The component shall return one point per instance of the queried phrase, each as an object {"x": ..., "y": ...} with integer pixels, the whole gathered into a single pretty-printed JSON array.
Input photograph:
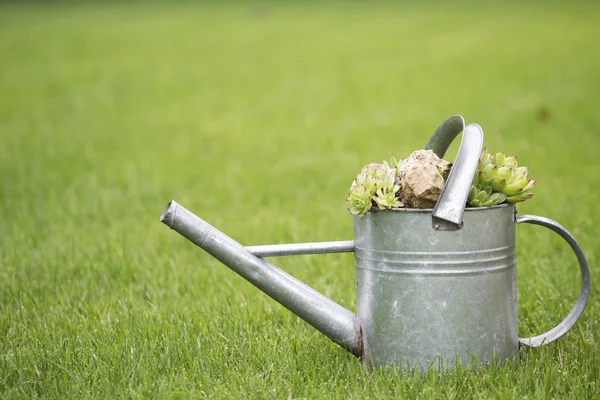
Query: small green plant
[
  {"x": 375, "y": 185},
  {"x": 499, "y": 179}
]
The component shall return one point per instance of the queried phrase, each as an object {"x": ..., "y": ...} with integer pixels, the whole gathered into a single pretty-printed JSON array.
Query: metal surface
[
  {"x": 449, "y": 209},
  {"x": 584, "y": 292},
  {"x": 428, "y": 297},
  {"x": 328, "y": 317},
  {"x": 445, "y": 134},
  {"x": 293, "y": 249}
]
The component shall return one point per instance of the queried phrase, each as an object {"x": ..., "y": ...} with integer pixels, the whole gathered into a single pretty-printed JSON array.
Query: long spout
[{"x": 338, "y": 323}]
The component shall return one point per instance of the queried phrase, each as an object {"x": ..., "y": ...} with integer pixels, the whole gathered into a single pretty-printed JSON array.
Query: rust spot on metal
[{"x": 359, "y": 349}]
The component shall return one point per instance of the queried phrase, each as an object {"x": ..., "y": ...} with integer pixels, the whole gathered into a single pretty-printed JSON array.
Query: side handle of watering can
[{"x": 565, "y": 325}]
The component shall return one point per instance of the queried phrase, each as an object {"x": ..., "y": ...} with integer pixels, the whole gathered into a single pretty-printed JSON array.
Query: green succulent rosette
[
  {"x": 499, "y": 179},
  {"x": 375, "y": 186}
]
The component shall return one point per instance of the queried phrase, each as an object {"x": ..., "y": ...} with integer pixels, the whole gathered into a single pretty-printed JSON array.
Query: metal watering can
[{"x": 434, "y": 287}]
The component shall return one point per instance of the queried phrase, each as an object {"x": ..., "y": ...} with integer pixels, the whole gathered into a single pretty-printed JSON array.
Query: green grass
[{"x": 257, "y": 118}]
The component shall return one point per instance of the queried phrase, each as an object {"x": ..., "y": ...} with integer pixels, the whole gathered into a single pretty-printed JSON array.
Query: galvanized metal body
[{"x": 427, "y": 296}]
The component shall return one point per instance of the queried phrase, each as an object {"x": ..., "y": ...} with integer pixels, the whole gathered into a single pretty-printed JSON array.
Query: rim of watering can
[{"x": 429, "y": 210}]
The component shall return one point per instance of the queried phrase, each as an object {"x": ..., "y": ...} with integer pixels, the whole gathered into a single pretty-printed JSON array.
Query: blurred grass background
[{"x": 257, "y": 116}]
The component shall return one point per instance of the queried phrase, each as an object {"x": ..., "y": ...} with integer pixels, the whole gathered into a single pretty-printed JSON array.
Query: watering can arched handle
[
  {"x": 449, "y": 209},
  {"x": 566, "y": 324},
  {"x": 445, "y": 134}
]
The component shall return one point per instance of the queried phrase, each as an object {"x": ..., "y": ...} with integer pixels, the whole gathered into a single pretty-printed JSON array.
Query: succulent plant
[
  {"x": 498, "y": 174},
  {"x": 393, "y": 164},
  {"x": 359, "y": 200},
  {"x": 386, "y": 198},
  {"x": 483, "y": 197},
  {"x": 375, "y": 185}
]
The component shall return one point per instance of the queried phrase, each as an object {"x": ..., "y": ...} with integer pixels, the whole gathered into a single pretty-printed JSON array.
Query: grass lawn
[{"x": 257, "y": 118}]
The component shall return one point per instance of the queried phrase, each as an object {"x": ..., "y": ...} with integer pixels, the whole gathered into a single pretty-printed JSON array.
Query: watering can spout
[{"x": 333, "y": 320}]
